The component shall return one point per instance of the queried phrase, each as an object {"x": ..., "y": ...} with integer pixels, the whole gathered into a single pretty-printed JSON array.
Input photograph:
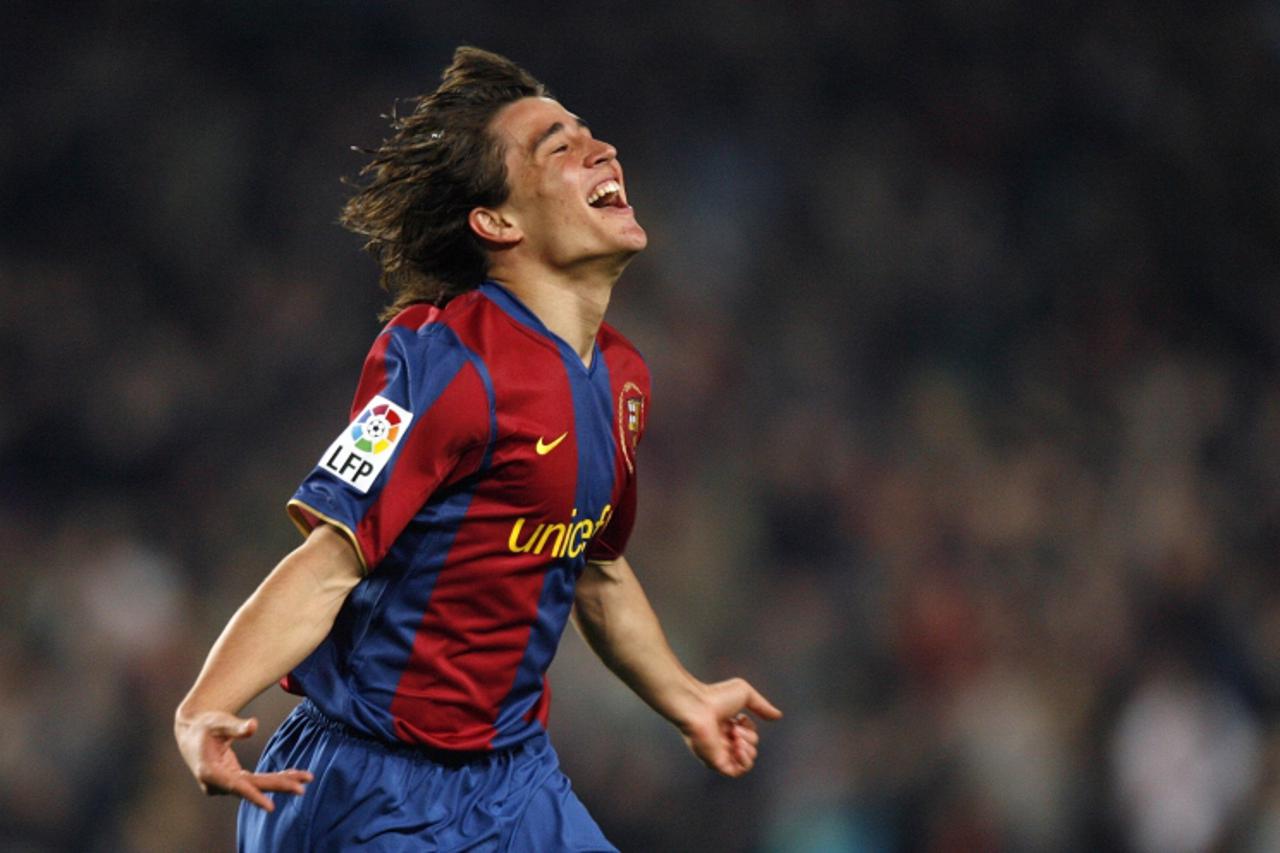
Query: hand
[
  {"x": 205, "y": 743},
  {"x": 724, "y": 738}
]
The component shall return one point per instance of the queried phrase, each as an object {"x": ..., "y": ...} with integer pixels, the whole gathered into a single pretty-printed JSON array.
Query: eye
[{"x": 560, "y": 149}]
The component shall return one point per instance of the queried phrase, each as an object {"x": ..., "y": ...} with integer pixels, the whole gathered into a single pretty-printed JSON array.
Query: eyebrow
[{"x": 552, "y": 131}]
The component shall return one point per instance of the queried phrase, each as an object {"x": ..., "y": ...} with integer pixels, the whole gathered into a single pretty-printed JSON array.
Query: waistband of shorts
[{"x": 446, "y": 757}]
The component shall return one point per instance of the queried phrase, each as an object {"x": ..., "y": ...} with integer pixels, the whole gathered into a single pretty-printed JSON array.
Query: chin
[
  {"x": 635, "y": 238},
  {"x": 618, "y": 259}
]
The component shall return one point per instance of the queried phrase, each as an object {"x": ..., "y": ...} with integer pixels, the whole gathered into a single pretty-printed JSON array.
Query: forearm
[
  {"x": 289, "y": 614},
  {"x": 613, "y": 615}
]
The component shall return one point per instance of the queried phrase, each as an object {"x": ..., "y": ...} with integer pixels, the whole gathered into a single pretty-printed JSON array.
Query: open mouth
[{"x": 607, "y": 193}]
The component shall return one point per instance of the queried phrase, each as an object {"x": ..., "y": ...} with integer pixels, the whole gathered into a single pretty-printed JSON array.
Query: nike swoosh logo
[{"x": 543, "y": 448}]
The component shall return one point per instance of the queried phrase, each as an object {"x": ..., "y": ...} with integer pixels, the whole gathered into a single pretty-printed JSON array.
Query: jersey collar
[{"x": 518, "y": 311}]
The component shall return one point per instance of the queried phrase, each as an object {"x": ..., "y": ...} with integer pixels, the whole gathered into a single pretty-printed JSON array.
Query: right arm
[
  {"x": 282, "y": 622},
  {"x": 293, "y": 610}
]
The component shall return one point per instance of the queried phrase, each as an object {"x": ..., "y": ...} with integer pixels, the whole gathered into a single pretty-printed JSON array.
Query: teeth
[{"x": 607, "y": 188}]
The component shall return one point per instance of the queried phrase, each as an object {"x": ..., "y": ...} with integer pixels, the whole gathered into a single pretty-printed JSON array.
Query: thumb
[
  {"x": 760, "y": 706},
  {"x": 234, "y": 727}
]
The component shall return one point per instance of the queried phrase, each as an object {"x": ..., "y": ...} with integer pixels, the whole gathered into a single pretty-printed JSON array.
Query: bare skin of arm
[
  {"x": 613, "y": 615},
  {"x": 281, "y": 623}
]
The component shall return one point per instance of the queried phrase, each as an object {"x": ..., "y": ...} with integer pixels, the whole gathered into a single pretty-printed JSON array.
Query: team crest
[
  {"x": 360, "y": 453},
  {"x": 630, "y": 421}
]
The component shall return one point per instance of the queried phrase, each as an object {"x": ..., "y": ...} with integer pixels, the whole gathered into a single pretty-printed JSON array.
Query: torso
[{"x": 448, "y": 639}]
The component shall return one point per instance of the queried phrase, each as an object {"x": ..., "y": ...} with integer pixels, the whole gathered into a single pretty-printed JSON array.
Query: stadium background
[{"x": 965, "y": 438}]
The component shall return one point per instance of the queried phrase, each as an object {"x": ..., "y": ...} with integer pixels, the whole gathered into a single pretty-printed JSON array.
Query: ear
[{"x": 493, "y": 226}]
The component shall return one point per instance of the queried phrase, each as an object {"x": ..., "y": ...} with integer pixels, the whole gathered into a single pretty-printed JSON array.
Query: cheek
[
  {"x": 553, "y": 197},
  {"x": 560, "y": 208}
]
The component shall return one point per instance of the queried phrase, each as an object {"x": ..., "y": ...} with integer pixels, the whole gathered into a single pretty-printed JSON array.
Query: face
[{"x": 568, "y": 199}]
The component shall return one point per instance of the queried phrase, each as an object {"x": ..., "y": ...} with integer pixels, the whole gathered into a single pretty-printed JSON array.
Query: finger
[
  {"x": 244, "y": 787},
  {"x": 747, "y": 735},
  {"x": 744, "y": 752},
  {"x": 731, "y": 768},
  {"x": 739, "y": 758},
  {"x": 760, "y": 706},
  {"x": 736, "y": 768},
  {"x": 286, "y": 781}
]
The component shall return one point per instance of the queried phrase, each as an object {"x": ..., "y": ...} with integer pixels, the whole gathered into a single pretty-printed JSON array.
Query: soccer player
[{"x": 482, "y": 494}]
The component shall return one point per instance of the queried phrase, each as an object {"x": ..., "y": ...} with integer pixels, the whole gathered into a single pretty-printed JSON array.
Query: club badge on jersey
[
  {"x": 362, "y": 450},
  {"x": 630, "y": 421}
]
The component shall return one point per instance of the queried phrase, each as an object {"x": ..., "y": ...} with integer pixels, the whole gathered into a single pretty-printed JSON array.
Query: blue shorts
[{"x": 370, "y": 795}]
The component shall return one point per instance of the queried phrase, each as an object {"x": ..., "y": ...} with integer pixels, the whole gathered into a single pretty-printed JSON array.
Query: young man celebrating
[{"x": 482, "y": 494}]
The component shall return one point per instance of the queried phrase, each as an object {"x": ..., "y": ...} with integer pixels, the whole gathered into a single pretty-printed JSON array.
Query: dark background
[{"x": 964, "y": 443}]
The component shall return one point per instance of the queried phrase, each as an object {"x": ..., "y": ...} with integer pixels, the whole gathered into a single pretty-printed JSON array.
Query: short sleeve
[
  {"x": 611, "y": 543},
  {"x": 421, "y": 418}
]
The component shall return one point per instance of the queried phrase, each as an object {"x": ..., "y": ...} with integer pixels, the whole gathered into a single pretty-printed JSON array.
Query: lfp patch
[{"x": 360, "y": 453}]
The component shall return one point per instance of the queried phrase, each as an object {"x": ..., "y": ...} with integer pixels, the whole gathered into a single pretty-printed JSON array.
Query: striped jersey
[{"x": 483, "y": 466}]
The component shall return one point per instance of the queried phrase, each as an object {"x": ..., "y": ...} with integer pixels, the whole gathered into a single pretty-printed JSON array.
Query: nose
[{"x": 601, "y": 152}]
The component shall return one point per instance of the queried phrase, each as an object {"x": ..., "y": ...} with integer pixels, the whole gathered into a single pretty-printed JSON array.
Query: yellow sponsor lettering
[
  {"x": 560, "y": 530},
  {"x": 579, "y": 535},
  {"x": 568, "y": 539},
  {"x": 513, "y": 540}
]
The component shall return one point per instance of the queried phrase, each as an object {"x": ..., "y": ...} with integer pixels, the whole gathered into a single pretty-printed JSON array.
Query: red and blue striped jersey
[{"x": 484, "y": 465}]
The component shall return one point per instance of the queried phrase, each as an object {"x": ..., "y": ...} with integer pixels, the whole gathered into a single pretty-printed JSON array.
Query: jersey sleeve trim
[{"x": 305, "y": 517}]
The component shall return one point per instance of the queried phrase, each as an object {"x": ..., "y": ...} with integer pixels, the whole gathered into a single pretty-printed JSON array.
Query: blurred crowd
[{"x": 964, "y": 322}]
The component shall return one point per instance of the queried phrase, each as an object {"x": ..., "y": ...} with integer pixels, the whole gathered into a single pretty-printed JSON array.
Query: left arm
[{"x": 613, "y": 615}]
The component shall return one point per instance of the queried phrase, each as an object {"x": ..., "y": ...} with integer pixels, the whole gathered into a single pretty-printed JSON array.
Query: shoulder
[
  {"x": 414, "y": 317},
  {"x": 420, "y": 315},
  {"x": 470, "y": 322},
  {"x": 610, "y": 338},
  {"x": 424, "y": 330},
  {"x": 423, "y": 319},
  {"x": 422, "y": 352},
  {"x": 622, "y": 356},
  {"x": 616, "y": 346}
]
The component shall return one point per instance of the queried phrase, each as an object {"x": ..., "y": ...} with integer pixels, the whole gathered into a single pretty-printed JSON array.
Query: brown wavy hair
[{"x": 420, "y": 185}]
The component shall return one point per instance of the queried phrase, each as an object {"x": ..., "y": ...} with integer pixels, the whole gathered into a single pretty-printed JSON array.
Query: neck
[{"x": 572, "y": 308}]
